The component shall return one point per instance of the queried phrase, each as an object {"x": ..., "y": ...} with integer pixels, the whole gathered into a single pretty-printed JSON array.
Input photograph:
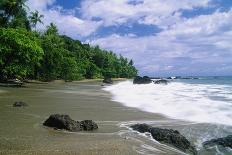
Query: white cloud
[
  {"x": 155, "y": 12},
  {"x": 198, "y": 44},
  {"x": 66, "y": 21}
]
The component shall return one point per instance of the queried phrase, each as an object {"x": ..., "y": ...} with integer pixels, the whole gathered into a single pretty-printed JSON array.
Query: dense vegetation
[{"x": 29, "y": 54}]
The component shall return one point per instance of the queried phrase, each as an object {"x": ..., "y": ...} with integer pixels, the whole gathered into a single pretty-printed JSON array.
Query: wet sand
[{"x": 22, "y": 132}]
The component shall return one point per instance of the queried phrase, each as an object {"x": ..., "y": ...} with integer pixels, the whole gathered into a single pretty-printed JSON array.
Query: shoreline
[
  {"x": 75, "y": 81},
  {"x": 82, "y": 100}
]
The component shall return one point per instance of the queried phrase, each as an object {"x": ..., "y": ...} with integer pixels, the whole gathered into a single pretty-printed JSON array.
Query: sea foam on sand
[{"x": 192, "y": 102}]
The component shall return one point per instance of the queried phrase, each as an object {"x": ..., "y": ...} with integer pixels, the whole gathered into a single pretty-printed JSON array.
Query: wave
[{"x": 201, "y": 103}]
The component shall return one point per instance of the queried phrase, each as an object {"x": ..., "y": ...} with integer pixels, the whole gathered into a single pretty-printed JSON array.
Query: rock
[
  {"x": 58, "y": 121},
  {"x": 225, "y": 142},
  {"x": 108, "y": 81},
  {"x": 142, "y": 80},
  {"x": 88, "y": 125},
  {"x": 141, "y": 127},
  {"x": 162, "y": 81},
  {"x": 173, "y": 137},
  {"x": 20, "y": 104},
  {"x": 167, "y": 136},
  {"x": 172, "y": 77}
]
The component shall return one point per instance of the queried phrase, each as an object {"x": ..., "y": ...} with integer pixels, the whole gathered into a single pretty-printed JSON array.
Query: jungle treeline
[{"x": 27, "y": 53}]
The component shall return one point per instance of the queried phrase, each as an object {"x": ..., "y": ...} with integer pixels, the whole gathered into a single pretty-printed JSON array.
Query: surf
[{"x": 203, "y": 103}]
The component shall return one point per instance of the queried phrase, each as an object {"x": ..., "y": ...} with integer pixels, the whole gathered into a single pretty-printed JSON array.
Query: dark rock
[
  {"x": 162, "y": 81},
  {"x": 58, "y": 121},
  {"x": 14, "y": 81},
  {"x": 20, "y": 104},
  {"x": 225, "y": 142},
  {"x": 142, "y": 80},
  {"x": 11, "y": 83},
  {"x": 108, "y": 81},
  {"x": 141, "y": 127},
  {"x": 167, "y": 136},
  {"x": 88, "y": 125},
  {"x": 173, "y": 137},
  {"x": 155, "y": 77}
]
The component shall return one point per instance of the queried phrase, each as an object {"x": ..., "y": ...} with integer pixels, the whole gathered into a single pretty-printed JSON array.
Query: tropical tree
[
  {"x": 20, "y": 52},
  {"x": 13, "y": 14},
  {"x": 35, "y": 18}
]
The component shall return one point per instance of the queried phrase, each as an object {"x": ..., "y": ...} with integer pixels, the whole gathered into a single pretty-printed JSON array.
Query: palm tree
[
  {"x": 52, "y": 29},
  {"x": 35, "y": 18}
]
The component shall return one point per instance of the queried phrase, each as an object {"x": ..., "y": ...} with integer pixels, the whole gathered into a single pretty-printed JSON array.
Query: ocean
[{"x": 204, "y": 102}]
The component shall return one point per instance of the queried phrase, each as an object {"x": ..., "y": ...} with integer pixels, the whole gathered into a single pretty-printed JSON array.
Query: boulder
[
  {"x": 88, "y": 125},
  {"x": 142, "y": 80},
  {"x": 141, "y": 127},
  {"x": 108, "y": 81},
  {"x": 58, "y": 121},
  {"x": 225, "y": 142},
  {"x": 162, "y": 81},
  {"x": 174, "y": 138},
  {"x": 19, "y": 104},
  {"x": 167, "y": 136}
]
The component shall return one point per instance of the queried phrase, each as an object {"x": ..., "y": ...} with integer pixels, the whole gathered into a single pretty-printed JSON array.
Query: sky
[{"x": 163, "y": 37}]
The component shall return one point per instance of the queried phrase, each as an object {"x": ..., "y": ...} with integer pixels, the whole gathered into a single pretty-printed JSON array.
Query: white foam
[{"x": 177, "y": 100}]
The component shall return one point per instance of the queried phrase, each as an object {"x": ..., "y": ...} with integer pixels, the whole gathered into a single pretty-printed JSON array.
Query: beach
[{"x": 22, "y": 132}]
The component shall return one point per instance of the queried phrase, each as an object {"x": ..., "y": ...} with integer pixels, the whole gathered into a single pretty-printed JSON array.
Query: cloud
[
  {"x": 66, "y": 20},
  {"x": 155, "y": 12},
  {"x": 199, "y": 45}
]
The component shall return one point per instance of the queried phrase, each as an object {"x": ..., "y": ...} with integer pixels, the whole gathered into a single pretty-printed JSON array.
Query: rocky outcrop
[
  {"x": 142, "y": 80},
  {"x": 141, "y": 127},
  {"x": 173, "y": 137},
  {"x": 162, "y": 81},
  {"x": 88, "y": 125},
  {"x": 225, "y": 142},
  {"x": 167, "y": 136},
  {"x": 108, "y": 81},
  {"x": 58, "y": 121},
  {"x": 19, "y": 104}
]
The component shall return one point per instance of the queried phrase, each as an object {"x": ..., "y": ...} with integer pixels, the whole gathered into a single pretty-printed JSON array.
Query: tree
[
  {"x": 35, "y": 18},
  {"x": 20, "y": 52},
  {"x": 51, "y": 29},
  {"x": 13, "y": 14},
  {"x": 131, "y": 63}
]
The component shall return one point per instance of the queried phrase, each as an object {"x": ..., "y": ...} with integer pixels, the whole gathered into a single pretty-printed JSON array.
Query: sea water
[
  {"x": 204, "y": 100},
  {"x": 200, "y": 108}
]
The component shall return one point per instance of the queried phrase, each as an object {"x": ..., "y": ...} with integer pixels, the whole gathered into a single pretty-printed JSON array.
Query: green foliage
[
  {"x": 20, "y": 52},
  {"x": 35, "y": 18},
  {"x": 49, "y": 56},
  {"x": 13, "y": 14}
]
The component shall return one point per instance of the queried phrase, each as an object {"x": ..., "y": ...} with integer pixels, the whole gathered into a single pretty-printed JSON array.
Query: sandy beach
[{"x": 22, "y": 132}]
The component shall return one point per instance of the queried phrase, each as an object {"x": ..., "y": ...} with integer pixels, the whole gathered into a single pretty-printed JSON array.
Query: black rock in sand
[
  {"x": 58, "y": 121},
  {"x": 19, "y": 104},
  {"x": 88, "y": 125},
  {"x": 167, "y": 136},
  {"x": 108, "y": 81}
]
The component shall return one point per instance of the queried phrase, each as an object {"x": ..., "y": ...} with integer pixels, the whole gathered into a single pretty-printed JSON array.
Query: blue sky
[{"x": 163, "y": 37}]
